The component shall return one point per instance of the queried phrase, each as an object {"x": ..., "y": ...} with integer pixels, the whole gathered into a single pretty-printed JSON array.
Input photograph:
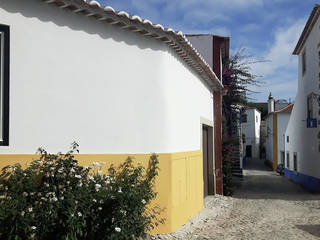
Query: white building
[
  {"x": 276, "y": 125},
  {"x": 303, "y": 132},
  {"x": 250, "y": 122},
  {"x": 116, "y": 84}
]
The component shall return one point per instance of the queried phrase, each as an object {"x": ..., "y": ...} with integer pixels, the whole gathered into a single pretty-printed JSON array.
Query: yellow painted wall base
[{"x": 179, "y": 184}]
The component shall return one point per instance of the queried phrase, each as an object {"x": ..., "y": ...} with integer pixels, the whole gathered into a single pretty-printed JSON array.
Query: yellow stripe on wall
[{"x": 179, "y": 184}]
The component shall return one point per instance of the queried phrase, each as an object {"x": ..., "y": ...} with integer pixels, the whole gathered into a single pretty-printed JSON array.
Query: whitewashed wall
[
  {"x": 112, "y": 91},
  {"x": 282, "y": 123},
  {"x": 204, "y": 45},
  {"x": 304, "y": 140},
  {"x": 251, "y": 130}
]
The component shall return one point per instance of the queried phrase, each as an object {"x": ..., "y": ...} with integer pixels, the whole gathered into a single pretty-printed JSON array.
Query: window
[
  {"x": 288, "y": 160},
  {"x": 304, "y": 64},
  {"x": 244, "y": 118},
  {"x": 319, "y": 58},
  {"x": 288, "y": 139},
  {"x": 243, "y": 138},
  {"x": 4, "y": 84},
  {"x": 310, "y": 106},
  {"x": 295, "y": 162}
]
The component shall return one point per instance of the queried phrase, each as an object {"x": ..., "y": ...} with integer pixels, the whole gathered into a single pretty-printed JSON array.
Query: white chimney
[{"x": 270, "y": 104}]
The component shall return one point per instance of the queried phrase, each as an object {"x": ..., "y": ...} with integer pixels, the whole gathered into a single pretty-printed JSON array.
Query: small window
[
  {"x": 319, "y": 58},
  {"x": 282, "y": 157},
  {"x": 244, "y": 118},
  {"x": 295, "y": 162},
  {"x": 288, "y": 139},
  {"x": 310, "y": 106},
  {"x": 4, "y": 85},
  {"x": 288, "y": 160},
  {"x": 304, "y": 64}
]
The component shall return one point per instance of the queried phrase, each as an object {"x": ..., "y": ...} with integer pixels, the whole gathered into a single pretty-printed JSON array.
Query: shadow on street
[{"x": 259, "y": 182}]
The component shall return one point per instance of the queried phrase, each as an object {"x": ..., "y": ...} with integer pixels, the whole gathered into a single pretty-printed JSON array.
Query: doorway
[
  {"x": 249, "y": 151},
  {"x": 207, "y": 151}
]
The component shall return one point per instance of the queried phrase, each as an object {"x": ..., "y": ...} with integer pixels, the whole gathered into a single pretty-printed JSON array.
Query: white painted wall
[
  {"x": 251, "y": 130},
  {"x": 111, "y": 90},
  {"x": 204, "y": 45},
  {"x": 282, "y": 123},
  {"x": 304, "y": 140}
]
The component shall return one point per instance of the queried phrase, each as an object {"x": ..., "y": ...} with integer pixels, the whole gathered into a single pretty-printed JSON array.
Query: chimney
[{"x": 270, "y": 104}]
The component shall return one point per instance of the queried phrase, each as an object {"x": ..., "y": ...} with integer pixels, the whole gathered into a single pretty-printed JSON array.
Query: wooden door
[{"x": 205, "y": 159}]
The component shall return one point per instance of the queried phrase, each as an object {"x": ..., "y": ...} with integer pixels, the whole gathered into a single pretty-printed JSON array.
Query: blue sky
[{"x": 268, "y": 29}]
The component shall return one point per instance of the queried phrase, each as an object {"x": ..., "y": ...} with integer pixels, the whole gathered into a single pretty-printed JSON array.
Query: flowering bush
[{"x": 55, "y": 198}]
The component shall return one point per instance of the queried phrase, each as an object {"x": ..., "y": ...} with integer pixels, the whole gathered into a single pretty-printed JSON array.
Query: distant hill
[{"x": 262, "y": 107}]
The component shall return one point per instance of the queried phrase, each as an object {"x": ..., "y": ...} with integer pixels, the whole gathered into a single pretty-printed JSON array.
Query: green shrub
[{"x": 55, "y": 198}]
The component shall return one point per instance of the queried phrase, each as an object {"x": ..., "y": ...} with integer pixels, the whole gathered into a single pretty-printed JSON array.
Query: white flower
[
  {"x": 97, "y": 186},
  {"x": 33, "y": 227},
  {"x": 99, "y": 171},
  {"x": 117, "y": 229},
  {"x": 55, "y": 199},
  {"x": 72, "y": 170},
  {"x": 76, "y": 202},
  {"x": 95, "y": 164},
  {"x": 79, "y": 214},
  {"x": 30, "y": 209},
  {"x": 100, "y": 208},
  {"x": 80, "y": 184},
  {"x": 25, "y": 194},
  {"x": 143, "y": 201},
  {"x": 62, "y": 197},
  {"x": 123, "y": 212},
  {"x": 61, "y": 170},
  {"x": 91, "y": 177},
  {"x": 22, "y": 213},
  {"x": 49, "y": 163},
  {"x": 101, "y": 201},
  {"x": 2, "y": 196},
  {"x": 52, "y": 168},
  {"x": 94, "y": 200},
  {"x": 120, "y": 190},
  {"x": 77, "y": 176}
]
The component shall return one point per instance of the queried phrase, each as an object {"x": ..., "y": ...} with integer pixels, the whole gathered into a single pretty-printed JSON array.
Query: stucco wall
[
  {"x": 113, "y": 91},
  {"x": 251, "y": 130},
  {"x": 304, "y": 140},
  {"x": 283, "y": 119},
  {"x": 204, "y": 45}
]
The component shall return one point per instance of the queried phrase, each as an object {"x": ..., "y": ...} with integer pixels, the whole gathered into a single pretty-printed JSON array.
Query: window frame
[{"x": 4, "y": 83}]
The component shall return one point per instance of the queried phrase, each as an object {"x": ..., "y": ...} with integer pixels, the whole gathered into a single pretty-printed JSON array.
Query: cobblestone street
[{"x": 265, "y": 206}]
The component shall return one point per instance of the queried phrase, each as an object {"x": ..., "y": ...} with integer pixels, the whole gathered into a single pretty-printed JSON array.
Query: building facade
[
  {"x": 303, "y": 132},
  {"x": 250, "y": 123},
  {"x": 116, "y": 84},
  {"x": 276, "y": 125}
]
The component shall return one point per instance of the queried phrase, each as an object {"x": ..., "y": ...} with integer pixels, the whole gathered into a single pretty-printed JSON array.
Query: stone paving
[{"x": 265, "y": 206}]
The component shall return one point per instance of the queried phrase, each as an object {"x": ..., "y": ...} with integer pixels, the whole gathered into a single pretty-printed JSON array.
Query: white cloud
[{"x": 280, "y": 74}]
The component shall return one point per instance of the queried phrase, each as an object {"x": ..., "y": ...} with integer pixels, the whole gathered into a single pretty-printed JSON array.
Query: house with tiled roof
[
  {"x": 118, "y": 85},
  {"x": 303, "y": 132},
  {"x": 276, "y": 125}
]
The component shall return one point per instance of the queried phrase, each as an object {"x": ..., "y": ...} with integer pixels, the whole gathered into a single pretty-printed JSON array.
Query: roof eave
[{"x": 307, "y": 29}]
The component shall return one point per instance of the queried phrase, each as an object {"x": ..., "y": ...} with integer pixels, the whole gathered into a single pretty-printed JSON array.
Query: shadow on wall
[
  {"x": 78, "y": 22},
  {"x": 312, "y": 229}
]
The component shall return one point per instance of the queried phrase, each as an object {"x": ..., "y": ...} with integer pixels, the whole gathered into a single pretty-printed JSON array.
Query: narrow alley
[{"x": 265, "y": 206}]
